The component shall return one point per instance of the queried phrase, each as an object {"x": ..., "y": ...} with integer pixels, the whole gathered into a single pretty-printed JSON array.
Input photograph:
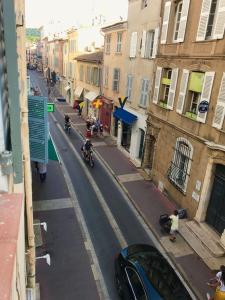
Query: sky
[{"x": 72, "y": 12}]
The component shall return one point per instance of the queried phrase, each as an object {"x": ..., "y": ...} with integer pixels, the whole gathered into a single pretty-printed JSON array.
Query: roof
[
  {"x": 95, "y": 57},
  {"x": 118, "y": 25}
]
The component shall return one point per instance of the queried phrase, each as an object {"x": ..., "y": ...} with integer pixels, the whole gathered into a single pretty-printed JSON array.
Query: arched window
[{"x": 179, "y": 170}]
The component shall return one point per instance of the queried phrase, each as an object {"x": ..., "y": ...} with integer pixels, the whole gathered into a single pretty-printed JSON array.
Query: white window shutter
[
  {"x": 203, "y": 22},
  {"x": 157, "y": 85},
  {"x": 206, "y": 93},
  {"x": 155, "y": 44},
  {"x": 183, "y": 20},
  {"x": 133, "y": 44},
  {"x": 220, "y": 107},
  {"x": 165, "y": 23},
  {"x": 143, "y": 43},
  {"x": 146, "y": 92},
  {"x": 183, "y": 90},
  {"x": 220, "y": 21},
  {"x": 172, "y": 90}
]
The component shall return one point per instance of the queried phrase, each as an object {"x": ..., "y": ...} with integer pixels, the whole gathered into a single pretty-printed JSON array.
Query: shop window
[{"x": 179, "y": 169}]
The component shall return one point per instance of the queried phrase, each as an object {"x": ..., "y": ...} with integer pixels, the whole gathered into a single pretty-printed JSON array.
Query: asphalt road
[{"x": 109, "y": 220}]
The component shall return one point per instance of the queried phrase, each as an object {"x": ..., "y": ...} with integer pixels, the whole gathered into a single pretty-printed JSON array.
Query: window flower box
[{"x": 191, "y": 115}]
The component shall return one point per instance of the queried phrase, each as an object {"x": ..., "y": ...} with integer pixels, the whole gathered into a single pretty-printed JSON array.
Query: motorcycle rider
[
  {"x": 87, "y": 147},
  {"x": 67, "y": 122}
]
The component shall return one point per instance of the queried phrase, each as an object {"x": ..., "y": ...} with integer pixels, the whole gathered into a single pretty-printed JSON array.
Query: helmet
[{"x": 88, "y": 140}]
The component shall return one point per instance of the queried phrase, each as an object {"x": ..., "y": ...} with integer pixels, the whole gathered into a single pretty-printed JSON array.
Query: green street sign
[{"x": 51, "y": 107}]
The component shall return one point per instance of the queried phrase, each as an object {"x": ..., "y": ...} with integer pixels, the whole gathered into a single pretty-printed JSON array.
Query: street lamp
[
  {"x": 44, "y": 224},
  {"x": 47, "y": 257}
]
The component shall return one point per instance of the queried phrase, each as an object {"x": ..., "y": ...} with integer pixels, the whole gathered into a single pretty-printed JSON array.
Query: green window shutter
[
  {"x": 38, "y": 128},
  {"x": 196, "y": 82}
]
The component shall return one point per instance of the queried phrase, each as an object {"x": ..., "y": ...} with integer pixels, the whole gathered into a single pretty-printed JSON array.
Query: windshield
[{"x": 161, "y": 275}]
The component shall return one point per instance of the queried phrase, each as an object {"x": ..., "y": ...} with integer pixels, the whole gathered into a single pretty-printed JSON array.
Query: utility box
[{"x": 6, "y": 162}]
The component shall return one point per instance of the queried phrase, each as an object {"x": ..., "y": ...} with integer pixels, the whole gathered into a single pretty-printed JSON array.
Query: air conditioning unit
[{"x": 30, "y": 294}]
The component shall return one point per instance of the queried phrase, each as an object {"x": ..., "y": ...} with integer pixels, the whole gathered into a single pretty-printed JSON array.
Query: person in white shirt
[{"x": 174, "y": 225}]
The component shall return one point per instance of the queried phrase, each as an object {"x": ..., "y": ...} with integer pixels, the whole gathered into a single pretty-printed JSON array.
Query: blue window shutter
[{"x": 38, "y": 128}]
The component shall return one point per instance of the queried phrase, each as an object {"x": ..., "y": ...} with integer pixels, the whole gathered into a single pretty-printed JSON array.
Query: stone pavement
[{"x": 150, "y": 203}]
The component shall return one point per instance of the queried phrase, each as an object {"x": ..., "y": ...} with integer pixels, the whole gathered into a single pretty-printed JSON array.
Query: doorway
[
  {"x": 215, "y": 215},
  {"x": 126, "y": 136},
  {"x": 141, "y": 145}
]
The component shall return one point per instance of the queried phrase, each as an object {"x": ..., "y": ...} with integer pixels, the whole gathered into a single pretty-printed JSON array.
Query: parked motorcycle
[{"x": 88, "y": 157}]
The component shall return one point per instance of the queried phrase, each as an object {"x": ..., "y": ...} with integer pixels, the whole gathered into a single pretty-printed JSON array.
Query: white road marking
[
  {"x": 52, "y": 204},
  {"x": 101, "y": 199},
  {"x": 102, "y": 288}
]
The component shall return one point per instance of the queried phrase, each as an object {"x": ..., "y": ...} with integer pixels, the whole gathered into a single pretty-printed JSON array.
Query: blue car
[{"x": 142, "y": 273}]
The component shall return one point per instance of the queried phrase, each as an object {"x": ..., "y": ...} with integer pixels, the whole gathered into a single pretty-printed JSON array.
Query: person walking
[
  {"x": 42, "y": 171},
  {"x": 218, "y": 282},
  {"x": 174, "y": 225}
]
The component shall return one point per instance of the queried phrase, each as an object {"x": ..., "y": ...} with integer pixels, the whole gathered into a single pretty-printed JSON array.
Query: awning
[
  {"x": 67, "y": 88},
  {"x": 91, "y": 96},
  {"x": 52, "y": 153},
  {"x": 78, "y": 91},
  {"x": 125, "y": 116}
]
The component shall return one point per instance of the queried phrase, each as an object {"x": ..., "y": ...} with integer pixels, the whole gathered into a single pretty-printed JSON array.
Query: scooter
[
  {"x": 67, "y": 128},
  {"x": 88, "y": 157}
]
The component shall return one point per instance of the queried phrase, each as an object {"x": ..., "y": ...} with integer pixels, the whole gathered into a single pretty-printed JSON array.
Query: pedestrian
[
  {"x": 42, "y": 171},
  {"x": 214, "y": 281},
  {"x": 174, "y": 225},
  {"x": 36, "y": 166},
  {"x": 79, "y": 110},
  {"x": 220, "y": 288}
]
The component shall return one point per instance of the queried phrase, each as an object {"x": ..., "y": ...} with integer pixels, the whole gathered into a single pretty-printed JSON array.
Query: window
[
  {"x": 144, "y": 92},
  {"x": 107, "y": 43},
  {"x": 88, "y": 75},
  {"x": 95, "y": 76},
  {"x": 211, "y": 20},
  {"x": 149, "y": 44},
  {"x": 193, "y": 97},
  {"x": 106, "y": 76},
  {"x": 177, "y": 20},
  {"x": 136, "y": 284},
  {"x": 119, "y": 42},
  {"x": 129, "y": 86},
  {"x": 180, "y": 166},
  {"x": 116, "y": 78},
  {"x": 144, "y": 3},
  {"x": 81, "y": 72},
  {"x": 166, "y": 81}
]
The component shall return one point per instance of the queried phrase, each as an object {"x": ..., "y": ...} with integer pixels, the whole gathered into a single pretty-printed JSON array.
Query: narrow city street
[
  {"x": 110, "y": 222},
  {"x": 89, "y": 220}
]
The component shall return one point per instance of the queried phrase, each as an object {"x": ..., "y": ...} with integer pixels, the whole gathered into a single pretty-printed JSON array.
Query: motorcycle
[
  {"x": 88, "y": 157},
  {"x": 67, "y": 128}
]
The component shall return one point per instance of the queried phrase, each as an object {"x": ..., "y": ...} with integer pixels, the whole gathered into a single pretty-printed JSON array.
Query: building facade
[
  {"x": 185, "y": 143},
  {"x": 17, "y": 269},
  {"x": 142, "y": 41},
  {"x": 88, "y": 84},
  {"x": 113, "y": 84}
]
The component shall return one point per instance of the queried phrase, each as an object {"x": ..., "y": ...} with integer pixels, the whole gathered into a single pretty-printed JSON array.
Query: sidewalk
[{"x": 150, "y": 205}]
